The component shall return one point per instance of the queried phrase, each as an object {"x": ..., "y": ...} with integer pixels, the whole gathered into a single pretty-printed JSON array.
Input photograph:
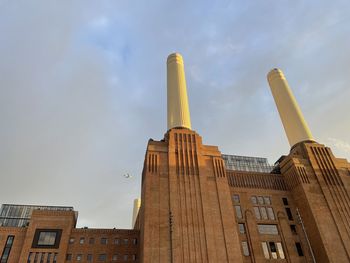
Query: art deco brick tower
[
  {"x": 318, "y": 182},
  {"x": 187, "y": 213}
]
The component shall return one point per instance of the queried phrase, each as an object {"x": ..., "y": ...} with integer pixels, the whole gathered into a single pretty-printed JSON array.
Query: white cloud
[{"x": 340, "y": 144}]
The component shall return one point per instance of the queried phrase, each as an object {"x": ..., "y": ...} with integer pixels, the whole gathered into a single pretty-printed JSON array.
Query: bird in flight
[{"x": 127, "y": 175}]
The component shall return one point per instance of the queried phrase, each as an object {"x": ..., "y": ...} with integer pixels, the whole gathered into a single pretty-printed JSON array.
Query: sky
[{"x": 83, "y": 88}]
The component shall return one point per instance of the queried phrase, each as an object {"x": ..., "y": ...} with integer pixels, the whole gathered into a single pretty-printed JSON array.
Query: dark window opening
[
  {"x": 285, "y": 201},
  {"x": 299, "y": 249},
  {"x": 7, "y": 249},
  {"x": 289, "y": 213},
  {"x": 293, "y": 229}
]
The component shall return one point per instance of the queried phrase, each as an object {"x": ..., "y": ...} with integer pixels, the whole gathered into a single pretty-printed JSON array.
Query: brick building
[{"x": 199, "y": 205}]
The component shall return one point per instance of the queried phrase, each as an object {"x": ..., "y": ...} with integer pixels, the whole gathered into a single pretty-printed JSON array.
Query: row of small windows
[
  {"x": 101, "y": 257},
  {"x": 271, "y": 250},
  {"x": 104, "y": 241},
  {"x": 261, "y": 213},
  {"x": 261, "y": 200},
  {"x": 256, "y": 200},
  {"x": 262, "y": 228},
  {"x": 42, "y": 257}
]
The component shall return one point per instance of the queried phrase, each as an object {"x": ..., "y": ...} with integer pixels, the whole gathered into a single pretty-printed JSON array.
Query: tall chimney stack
[
  {"x": 292, "y": 118},
  {"x": 178, "y": 110}
]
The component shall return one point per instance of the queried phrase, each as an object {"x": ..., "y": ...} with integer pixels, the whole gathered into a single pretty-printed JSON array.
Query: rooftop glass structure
[
  {"x": 19, "y": 215},
  {"x": 247, "y": 163}
]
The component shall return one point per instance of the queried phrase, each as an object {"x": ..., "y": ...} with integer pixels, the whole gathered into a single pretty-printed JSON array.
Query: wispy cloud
[
  {"x": 339, "y": 144},
  {"x": 83, "y": 87}
]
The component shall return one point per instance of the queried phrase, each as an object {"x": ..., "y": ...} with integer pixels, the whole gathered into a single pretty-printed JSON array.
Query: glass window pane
[
  {"x": 273, "y": 250},
  {"x": 263, "y": 213},
  {"x": 254, "y": 200},
  {"x": 268, "y": 229},
  {"x": 260, "y": 200},
  {"x": 235, "y": 199},
  {"x": 271, "y": 213},
  {"x": 293, "y": 229},
  {"x": 245, "y": 248},
  {"x": 280, "y": 250},
  {"x": 289, "y": 213},
  {"x": 265, "y": 250},
  {"x": 47, "y": 238},
  {"x": 267, "y": 200},
  {"x": 257, "y": 212},
  {"x": 299, "y": 249},
  {"x": 238, "y": 211},
  {"x": 241, "y": 228}
]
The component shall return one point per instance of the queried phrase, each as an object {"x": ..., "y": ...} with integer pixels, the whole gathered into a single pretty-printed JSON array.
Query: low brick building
[{"x": 51, "y": 237}]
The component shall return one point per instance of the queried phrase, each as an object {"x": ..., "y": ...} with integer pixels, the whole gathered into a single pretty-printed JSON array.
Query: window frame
[{"x": 37, "y": 233}]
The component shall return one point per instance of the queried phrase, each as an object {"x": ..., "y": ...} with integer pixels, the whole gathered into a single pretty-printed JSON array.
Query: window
[
  {"x": 48, "y": 259},
  {"x": 241, "y": 228},
  {"x": 245, "y": 248},
  {"x": 273, "y": 250},
  {"x": 133, "y": 257},
  {"x": 285, "y": 201},
  {"x": 235, "y": 199},
  {"x": 134, "y": 241},
  {"x": 238, "y": 211},
  {"x": 265, "y": 250},
  {"x": 263, "y": 213},
  {"x": 42, "y": 257},
  {"x": 104, "y": 241},
  {"x": 257, "y": 212},
  {"x": 71, "y": 240},
  {"x": 115, "y": 257},
  {"x": 267, "y": 200},
  {"x": 268, "y": 229},
  {"x": 125, "y": 257},
  {"x": 293, "y": 229},
  {"x": 91, "y": 240},
  {"x": 89, "y": 258},
  {"x": 29, "y": 257},
  {"x": 280, "y": 250},
  {"x": 54, "y": 258},
  {"x": 69, "y": 257},
  {"x": 270, "y": 213},
  {"x": 46, "y": 238},
  {"x": 7, "y": 249},
  {"x": 260, "y": 200},
  {"x": 102, "y": 257},
  {"x": 289, "y": 213},
  {"x": 254, "y": 200},
  {"x": 299, "y": 249},
  {"x": 82, "y": 240},
  {"x": 116, "y": 241},
  {"x": 126, "y": 241},
  {"x": 79, "y": 257}
]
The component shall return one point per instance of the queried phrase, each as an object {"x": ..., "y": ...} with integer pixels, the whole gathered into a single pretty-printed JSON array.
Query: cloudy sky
[{"x": 83, "y": 88}]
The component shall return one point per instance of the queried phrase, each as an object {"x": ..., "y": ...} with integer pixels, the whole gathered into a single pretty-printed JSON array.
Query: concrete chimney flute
[
  {"x": 292, "y": 118},
  {"x": 178, "y": 110}
]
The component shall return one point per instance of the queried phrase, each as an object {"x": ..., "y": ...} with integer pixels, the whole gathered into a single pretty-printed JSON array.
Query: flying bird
[{"x": 127, "y": 175}]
